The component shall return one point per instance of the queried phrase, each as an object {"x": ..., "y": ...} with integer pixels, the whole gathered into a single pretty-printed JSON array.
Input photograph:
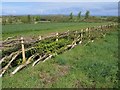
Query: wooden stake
[
  {"x": 40, "y": 37},
  {"x": 76, "y": 33},
  {"x": 23, "y": 50},
  {"x": 86, "y": 29},
  {"x": 89, "y": 36},
  {"x": 57, "y": 36},
  {"x": 81, "y": 36}
]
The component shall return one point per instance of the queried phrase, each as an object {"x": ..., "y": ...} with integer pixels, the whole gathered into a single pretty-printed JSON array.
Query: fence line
[
  {"x": 79, "y": 36},
  {"x": 87, "y": 30}
]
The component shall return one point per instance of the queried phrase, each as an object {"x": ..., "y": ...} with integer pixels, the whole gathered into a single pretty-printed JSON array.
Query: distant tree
[
  {"x": 24, "y": 19},
  {"x": 87, "y": 14},
  {"x": 3, "y": 21},
  {"x": 79, "y": 15},
  {"x": 10, "y": 20},
  {"x": 37, "y": 18},
  {"x": 71, "y": 15},
  {"x": 29, "y": 18}
]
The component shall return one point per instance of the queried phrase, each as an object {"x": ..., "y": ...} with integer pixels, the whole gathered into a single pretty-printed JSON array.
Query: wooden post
[
  {"x": 40, "y": 37},
  {"x": 89, "y": 33},
  {"x": 86, "y": 29},
  {"x": 75, "y": 37},
  {"x": 81, "y": 36},
  {"x": 57, "y": 36},
  {"x": 23, "y": 50},
  {"x": 76, "y": 33}
]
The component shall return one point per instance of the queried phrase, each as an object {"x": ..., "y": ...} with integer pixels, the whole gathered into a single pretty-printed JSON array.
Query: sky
[
  {"x": 60, "y": 0},
  {"x": 65, "y": 8}
]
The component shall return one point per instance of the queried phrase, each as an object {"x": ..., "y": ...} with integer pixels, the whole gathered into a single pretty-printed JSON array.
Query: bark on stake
[{"x": 23, "y": 50}]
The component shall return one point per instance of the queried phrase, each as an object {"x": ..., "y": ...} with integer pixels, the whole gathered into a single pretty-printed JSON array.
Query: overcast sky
[{"x": 45, "y": 8}]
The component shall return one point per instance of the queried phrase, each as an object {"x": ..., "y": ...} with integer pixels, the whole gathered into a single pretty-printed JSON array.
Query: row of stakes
[
  {"x": 40, "y": 38},
  {"x": 23, "y": 48}
]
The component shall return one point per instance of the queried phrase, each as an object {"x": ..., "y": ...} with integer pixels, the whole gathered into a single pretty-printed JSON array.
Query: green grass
[
  {"x": 42, "y": 28},
  {"x": 93, "y": 65}
]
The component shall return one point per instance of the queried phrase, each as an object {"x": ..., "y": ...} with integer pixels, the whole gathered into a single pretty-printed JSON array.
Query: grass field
[
  {"x": 93, "y": 65},
  {"x": 42, "y": 28}
]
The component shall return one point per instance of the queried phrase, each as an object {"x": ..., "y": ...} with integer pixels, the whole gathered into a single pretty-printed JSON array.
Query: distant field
[
  {"x": 93, "y": 65},
  {"x": 42, "y": 28}
]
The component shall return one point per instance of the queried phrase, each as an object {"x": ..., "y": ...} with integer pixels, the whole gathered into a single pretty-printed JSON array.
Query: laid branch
[
  {"x": 12, "y": 54},
  {"x": 50, "y": 56},
  {"x": 7, "y": 57},
  {"x": 11, "y": 44},
  {"x": 9, "y": 38},
  {"x": 73, "y": 43},
  {"x": 24, "y": 64},
  {"x": 2, "y": 60},
  {"x": 87, "y": 43},
  {"x": 3, "y": 70},
  {"x": 39, "y": 59}
]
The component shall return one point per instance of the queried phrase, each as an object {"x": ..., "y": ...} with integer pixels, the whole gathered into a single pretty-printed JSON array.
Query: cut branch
[
  {"x": 24, "y": 64},
  {"x": 7, "y": 57},
  {"x": 3, "y": 70},
  {"x": 34, "y": 63},
  {"x": 50, "y": 56}
]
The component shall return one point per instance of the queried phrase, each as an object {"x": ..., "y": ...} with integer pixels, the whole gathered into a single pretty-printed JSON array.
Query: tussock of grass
[{"x": 93, "y": 65}]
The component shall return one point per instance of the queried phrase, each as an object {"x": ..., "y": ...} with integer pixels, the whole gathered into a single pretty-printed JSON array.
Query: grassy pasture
[
  {"x": 28, "y": 30},
  {"x": 93, "y": 65}
]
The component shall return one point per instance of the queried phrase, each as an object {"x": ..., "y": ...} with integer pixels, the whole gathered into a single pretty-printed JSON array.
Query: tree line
[
  {"x": 56, "y": 18},
  {"x": 87, "y": 14}
]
